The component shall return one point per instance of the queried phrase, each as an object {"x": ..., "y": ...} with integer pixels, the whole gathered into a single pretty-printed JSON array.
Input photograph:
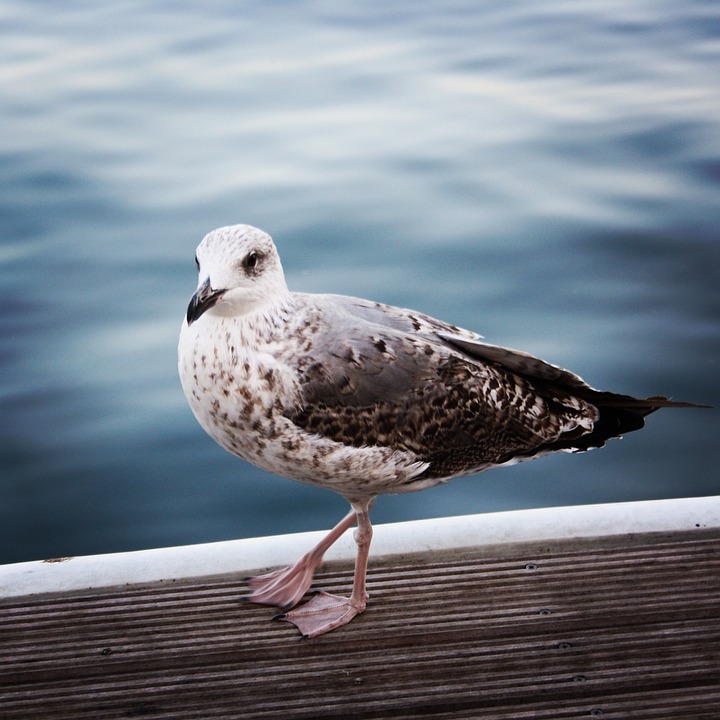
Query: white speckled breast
[{"x": 240, "y": 377}]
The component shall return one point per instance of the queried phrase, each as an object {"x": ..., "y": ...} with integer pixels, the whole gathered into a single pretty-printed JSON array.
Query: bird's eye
[
  {"x": 197, "y": 263},
  {"x": 251, "y": 260}
]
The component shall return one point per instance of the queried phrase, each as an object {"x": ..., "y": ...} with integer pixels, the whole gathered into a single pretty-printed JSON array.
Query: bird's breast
[{"x": 236, "y": 388}]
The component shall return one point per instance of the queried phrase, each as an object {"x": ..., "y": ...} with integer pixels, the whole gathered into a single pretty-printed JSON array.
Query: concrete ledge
[{"x": 252, "y": 554}]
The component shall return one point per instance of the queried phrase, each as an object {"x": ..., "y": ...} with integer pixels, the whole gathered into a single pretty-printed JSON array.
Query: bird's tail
[{"x": 619, "y": 415}]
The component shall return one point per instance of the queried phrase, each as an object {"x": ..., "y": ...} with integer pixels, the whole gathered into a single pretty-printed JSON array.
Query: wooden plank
[{"x": 618, "y": 628}]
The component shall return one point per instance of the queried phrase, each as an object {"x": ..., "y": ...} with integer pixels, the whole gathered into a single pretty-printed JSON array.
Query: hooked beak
[{"x": 204, "y": 298}]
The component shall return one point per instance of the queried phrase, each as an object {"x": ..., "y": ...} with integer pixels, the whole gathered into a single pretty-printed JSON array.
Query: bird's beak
[{"x": 203, "y": 299}]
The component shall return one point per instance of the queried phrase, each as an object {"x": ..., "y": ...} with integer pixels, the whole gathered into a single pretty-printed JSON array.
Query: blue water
[{"x": 545, "y": 173}]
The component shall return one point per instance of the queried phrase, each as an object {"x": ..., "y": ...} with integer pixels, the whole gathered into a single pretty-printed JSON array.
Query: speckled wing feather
[
  {"x": 516, "y": 360},
  {"x": 392, "y": 379}
]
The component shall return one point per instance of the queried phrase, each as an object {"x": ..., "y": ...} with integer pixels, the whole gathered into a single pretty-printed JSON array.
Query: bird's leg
[
  {"x": 325, "y": 612},
  {"x": 284, "y": 588}
]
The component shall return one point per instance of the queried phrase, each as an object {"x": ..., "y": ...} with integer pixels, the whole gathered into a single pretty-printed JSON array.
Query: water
[{"x": 546, "y": 173}]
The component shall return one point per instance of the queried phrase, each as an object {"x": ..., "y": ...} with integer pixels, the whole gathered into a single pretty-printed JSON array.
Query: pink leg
[
  {"x": 284, "y": 588},
  {"x": 325, "y": 612}
]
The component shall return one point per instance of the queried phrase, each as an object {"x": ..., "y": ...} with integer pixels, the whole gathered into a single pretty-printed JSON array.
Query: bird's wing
[
  {"x": 378, "y": 375},
  {"x": 365, "y": 353},
  {"x": 542, "y": 372},
  {"x": 516, "y": 360}
]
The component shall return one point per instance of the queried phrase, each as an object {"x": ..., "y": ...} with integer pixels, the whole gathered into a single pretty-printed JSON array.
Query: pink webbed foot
[
  {"x": 283, "y": 588},
  {"x": 323, "y": 613},
  {"x": 326, "y": 612}
]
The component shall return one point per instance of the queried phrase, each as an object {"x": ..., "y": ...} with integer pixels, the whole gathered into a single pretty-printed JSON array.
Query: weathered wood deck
[{"x": 624, "y": 626}]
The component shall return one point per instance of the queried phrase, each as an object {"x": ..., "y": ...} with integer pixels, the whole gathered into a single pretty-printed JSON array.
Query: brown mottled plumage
[{"x": 364, "y": 398}]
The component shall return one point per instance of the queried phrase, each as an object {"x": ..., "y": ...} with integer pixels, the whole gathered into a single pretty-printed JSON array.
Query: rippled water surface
[{"x": 546, "y": 173}]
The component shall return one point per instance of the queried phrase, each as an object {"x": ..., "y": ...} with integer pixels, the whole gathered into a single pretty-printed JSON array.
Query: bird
[{"x": 364, "y": 398}]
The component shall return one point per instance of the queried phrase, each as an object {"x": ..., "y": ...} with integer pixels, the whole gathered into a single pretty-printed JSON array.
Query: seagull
[{"x": 364, "y": 398}]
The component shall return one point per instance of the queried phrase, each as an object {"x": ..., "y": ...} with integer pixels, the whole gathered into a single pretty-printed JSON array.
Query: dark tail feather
[
  {"x": 619, "y": 415},
  {"x": 643, "y": 405}
]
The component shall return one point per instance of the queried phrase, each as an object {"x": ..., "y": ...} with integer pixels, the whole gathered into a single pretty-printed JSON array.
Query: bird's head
[{"x": 239, "y": 272}]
